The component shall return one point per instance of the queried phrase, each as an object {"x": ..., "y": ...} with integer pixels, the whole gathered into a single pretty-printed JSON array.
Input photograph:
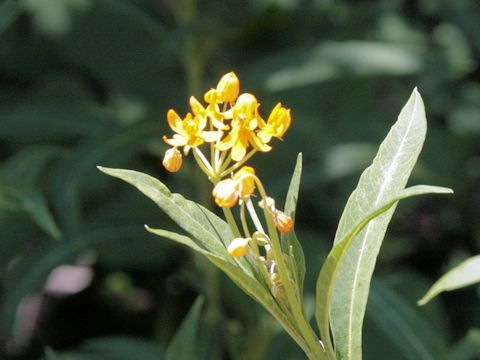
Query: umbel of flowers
[{"x": 223, "y": 134}]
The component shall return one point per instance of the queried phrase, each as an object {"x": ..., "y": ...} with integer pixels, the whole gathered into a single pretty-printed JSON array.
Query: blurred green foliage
[{"x": 88, "y": 82}]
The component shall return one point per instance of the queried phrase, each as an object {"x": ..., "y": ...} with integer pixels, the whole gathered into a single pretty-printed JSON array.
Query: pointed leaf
[
  {"x": 290, "y": 239},
  {"x": 245, "y": 281},
  {"x": 183, "y": 344},
  {"x": 387, "y": 175},
  {"x": 413, "y": 335},
  {"x": 333, "y": 265},
  {"x": 468, "y": 347},
  {"x": 18, "y": 197},
  {"x": 210, "y": 232},
  {"x": 467, "y": 273}
]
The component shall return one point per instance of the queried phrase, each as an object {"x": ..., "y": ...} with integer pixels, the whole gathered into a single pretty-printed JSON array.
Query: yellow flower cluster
[
  {"x": 231, "y": 124},
  {"x": 230, "y": 121}
]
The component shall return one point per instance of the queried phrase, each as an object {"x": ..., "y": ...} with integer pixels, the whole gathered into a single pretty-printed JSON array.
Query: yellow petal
[
  {"x": 239, "y": 149},
  {"x": 228, "y": 142},
  {"x": 197, "y": 108},
  {"x": 257, "y": 143},
  {"x": 174, "y": 121},
  {"x": 211, "y": 136},
  {"x": 177, "y": 140}
]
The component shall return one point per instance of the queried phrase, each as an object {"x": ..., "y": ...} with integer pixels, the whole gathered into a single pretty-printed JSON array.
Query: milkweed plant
[{"x": 255, "y": 244}]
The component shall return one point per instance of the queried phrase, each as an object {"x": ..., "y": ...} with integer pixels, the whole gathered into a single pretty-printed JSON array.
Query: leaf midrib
[{"x": 369, "y": 226}]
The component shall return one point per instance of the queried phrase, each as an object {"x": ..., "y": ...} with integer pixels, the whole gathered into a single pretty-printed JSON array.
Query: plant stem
[{"x": 314, "y": 348}]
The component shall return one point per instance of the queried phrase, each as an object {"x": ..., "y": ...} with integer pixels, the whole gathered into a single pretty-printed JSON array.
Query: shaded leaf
[
  {"x": 413, "y": 335},
  {"x": 465, "y": 274},
  {"x": 18, "y": 197},
  {"x": 467, "y": 348},
  {"x": 9, "y": 10},
  {"x": 333, "y": 60},
  {"x": 184, "y": 343}
]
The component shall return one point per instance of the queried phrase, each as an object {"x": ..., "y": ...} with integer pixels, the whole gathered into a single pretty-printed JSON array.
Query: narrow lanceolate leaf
[
  {"x": 183, "y": 344},
  {"x": 248, "y": 283},
  {"x": 387, "y": 175},
  {"x": 209, "y": 232},
  {"x": 467, "y": 273},
  {"x": 289, "y": 240},
  {"x": 333, "y": 264}
]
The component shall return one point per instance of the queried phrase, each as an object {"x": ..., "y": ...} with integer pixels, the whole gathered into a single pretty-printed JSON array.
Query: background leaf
[
  {"x": 184, "y": 344},
  {"x": 467, "y": 273}
]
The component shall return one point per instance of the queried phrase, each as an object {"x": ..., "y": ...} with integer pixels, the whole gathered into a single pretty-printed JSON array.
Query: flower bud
[
  {"x": 268, "y": 204},
  {"x": 247, "y": 182},
  {"x": 239, "y": 247},
  {"x": 282, "y": 221},
  {"x": 225, "y": 193},
  {"x": 172, "y": 160},
  {"x": 228, "y": 87},
  {"x": 261, "y": 238},
  {"x": 246, "y": 106}
]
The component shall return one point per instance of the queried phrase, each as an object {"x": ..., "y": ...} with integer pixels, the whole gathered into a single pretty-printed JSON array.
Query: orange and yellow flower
[{"x": 189, "y": 131}]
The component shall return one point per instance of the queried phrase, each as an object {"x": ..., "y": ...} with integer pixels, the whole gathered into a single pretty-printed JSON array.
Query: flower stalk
[{"x": 231, "y": 125}]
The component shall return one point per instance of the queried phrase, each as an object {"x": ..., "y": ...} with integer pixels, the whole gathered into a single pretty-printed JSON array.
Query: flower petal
[
  {"x": 175, "y": 121},
  {"x": 257, "y": 143},
  {"x": 177, "y": 140},
  {"x": 211, "y": 136},
  {"x": 239, "y": 149}
]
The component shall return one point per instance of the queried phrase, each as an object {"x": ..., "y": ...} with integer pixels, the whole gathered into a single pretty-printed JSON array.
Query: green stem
[
  {"x": 314, "y": 348},
  {"x": 243, "y": 219},
  {"x": 238, "y": 164},
  {"x": 231, "y": 222}
]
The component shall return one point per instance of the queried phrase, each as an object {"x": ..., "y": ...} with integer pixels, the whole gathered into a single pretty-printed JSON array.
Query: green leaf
[
  {"x": 378, "y": 184},
  {"x": 334, "y": 60},
  {"x": 467, "y": 273},
  {"x": 209, "y": 232},
  {"x": 412, "y": 335},
  {"x": 242, "y": 279},
  {"x": 333, "y": 265},
  {"x": 20, "y": 197},
  {"x": 9, "y": 10},
  {"x": 184, "y": 343},
  {"x": 290, "y": 238},
  {"x": 76, "y": 169},
  {"x": 111, "y": 348},
  {"x": 30, "y": 272},
  {"x": 468, "y": 347}
]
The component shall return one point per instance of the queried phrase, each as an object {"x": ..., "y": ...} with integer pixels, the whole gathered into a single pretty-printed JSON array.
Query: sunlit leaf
[
  {"x": 333, "y": 265},
  {"x": 382, "y": 182},
  {"x": 465, "y": 274},
  {"x": 387, "y": 175},
  {"x": 289, "y": 240}
]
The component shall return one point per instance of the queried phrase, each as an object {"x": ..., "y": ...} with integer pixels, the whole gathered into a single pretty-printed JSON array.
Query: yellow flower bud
[
  {"x": 282, "y": 221},
  {"x": 239, "y": 247},
  {"x": 261, "y": 238},
  {"x": 225, "y": 193},
  {"x": 247, "y": 182},
  {"x": 268, "y": 204},
  {"x": 245, "y": 107},
  {"x": 172, "y": 160},
  {"x": 228, "y": 87}
]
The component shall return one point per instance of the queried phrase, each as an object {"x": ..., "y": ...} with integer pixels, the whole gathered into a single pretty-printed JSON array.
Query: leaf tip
[{"x": 423, "y": 301}]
